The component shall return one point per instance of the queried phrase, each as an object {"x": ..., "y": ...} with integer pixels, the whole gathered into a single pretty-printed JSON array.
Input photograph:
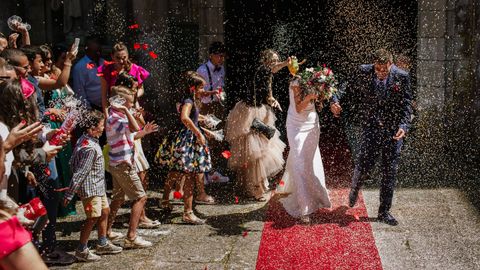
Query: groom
[{"x": 386, "y": 94}]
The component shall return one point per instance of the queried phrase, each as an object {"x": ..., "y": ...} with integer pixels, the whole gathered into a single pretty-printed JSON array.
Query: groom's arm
[{"x": 406, "y": 104}]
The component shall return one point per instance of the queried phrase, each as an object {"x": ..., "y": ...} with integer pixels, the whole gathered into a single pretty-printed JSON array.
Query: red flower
[
  {"x": 90, "y": 65},
  {"x": 85, "y": 143},
  {"x": 245, "y": 233},
  {"x": 145, "y": 46},
  {"x": 136, "y": 46},
  {"x": 226, "y": 154},
  {"x": 177, "y": 195},
  {"x": 153, "y": 55},
  {"x": 114, "y": 73},
  {"x": 47, "y": 171},
  {"x": 134, "y": 26},
  {"x": 236, "y": 200}
]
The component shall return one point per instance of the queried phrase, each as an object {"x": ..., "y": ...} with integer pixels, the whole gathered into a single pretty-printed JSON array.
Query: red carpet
[{"x": 340, "y": 239}]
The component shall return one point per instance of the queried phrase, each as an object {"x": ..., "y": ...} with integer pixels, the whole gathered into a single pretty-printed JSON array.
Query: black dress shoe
[
  {"x": 352, "y": 197},
  {"x": 387, "y": 218}
]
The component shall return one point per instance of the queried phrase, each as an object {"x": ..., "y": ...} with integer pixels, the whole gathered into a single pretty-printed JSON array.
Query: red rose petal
[
  {"x": 136, "y": 46},
  {"x": 245, "y": 233},
  {"x": 134, "y": 26},
  {"x": 99, "y": 74},
  {"x": 145, "y": 46},
  {"x": 177, "y": 195},
  {"x": 153, "y": 55},
  {"x": 226, "y": 154},
  {"x": 47, "y": 171},
  {"x": 88, "y": 208},
  {"x": 90, "y": 65},
  {"x": 236, "y": 200},
  {"x": 114, "y": 73}
]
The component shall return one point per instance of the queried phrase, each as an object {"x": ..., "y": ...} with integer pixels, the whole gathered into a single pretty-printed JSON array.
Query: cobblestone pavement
[{"x": 439, "y": 229}]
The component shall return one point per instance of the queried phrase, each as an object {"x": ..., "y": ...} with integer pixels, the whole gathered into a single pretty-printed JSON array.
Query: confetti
[
  {"x": 282, "y": 183},
  {"x": 134, "y": 26},
  {"x": 114, "y": 73},
  {"x": 177, "y": 195},
  {"x": 90, "y": 65},
  {"x": 226, "y": 154},
  {"x": 136, "y": 46},
  {"x": 99, "y": 74},
  {"x": 192, "y": 89},
  {"x": 153, "y": 55},
  {"x": 144, "y": 46},
  {"x": 47, "y": 172}
]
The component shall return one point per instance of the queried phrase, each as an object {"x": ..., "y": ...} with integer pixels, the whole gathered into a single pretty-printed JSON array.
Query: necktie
[{"x": 217, "y": 68}]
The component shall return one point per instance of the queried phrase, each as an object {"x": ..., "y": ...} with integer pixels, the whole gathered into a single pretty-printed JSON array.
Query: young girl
[
  {"x": 254, "y": 156},
  {"x": 109, "y": 71},
  {"x": 186, "y": 152}
]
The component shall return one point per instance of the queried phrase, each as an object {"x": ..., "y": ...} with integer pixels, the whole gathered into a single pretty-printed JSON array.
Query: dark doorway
[{"x": 339, "y": 33}]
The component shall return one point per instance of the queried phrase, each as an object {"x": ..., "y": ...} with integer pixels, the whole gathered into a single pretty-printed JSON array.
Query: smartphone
[{"x": 76, "y": 43}]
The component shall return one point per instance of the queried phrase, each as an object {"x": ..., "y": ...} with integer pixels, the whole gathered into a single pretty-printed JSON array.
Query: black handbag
[
  {"x": 262, "y": 128},
  {"x": 257, "y": 124}
]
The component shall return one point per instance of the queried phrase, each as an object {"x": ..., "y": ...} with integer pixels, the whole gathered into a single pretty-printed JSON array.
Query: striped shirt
[
  {"x": 119, "y": 138},
  {"x": 88, "y": 168}
]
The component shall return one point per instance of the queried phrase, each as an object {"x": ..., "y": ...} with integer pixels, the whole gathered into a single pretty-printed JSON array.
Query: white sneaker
[
  {"x": 138, "y": 242},
  {"x": 86, "y": 256},
  {"x": 108, "y": 248}
]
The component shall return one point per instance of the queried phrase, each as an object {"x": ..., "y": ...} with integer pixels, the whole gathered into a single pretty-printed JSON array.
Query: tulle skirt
[{"x": 254, "y": 157}]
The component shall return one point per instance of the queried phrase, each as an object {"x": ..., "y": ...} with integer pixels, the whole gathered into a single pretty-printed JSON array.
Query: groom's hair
[{"x": 382, "y": 56}]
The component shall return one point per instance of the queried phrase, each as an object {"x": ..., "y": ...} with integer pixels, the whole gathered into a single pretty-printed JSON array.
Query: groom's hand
[
  {"x": 400, "y": 134},
  {"x": 336, "y": 109}
]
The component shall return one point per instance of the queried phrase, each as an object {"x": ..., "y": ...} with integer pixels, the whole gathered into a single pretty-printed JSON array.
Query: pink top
[
  {"x": 108, "y": 72},
  {"x": 13, "y": 236}
]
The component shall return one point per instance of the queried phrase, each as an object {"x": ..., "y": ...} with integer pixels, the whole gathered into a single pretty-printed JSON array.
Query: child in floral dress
[{"x": 185, "y": 152}]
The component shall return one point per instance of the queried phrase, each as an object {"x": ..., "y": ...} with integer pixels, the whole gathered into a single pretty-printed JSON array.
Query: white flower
[{"x": 309, "y": 69}]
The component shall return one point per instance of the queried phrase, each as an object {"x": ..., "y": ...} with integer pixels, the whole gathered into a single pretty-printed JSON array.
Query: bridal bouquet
[{"x": 319, "y": 80}]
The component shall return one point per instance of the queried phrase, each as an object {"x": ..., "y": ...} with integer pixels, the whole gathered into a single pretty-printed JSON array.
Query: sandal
[
  {"x": 190, "y": 218},
  {"x": 149, "y": 225},
  {"x": 207, "y": 201}
]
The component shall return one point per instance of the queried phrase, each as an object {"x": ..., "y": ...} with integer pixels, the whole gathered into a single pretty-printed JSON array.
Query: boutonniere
[
  {"x": 85, "y": 143},
  {"x": 396, "y": 87}
]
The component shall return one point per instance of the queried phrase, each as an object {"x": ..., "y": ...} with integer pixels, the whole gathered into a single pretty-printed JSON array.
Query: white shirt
[{"x": 218, "y": 80}]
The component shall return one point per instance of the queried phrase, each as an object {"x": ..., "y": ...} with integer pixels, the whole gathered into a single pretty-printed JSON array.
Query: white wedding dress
[{"x": 304, "y": 178}]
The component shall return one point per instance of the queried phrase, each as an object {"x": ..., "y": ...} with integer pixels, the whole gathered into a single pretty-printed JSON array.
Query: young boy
[
  {"x": 88, "y": 182},
  {"x": 120, "y": 128}
]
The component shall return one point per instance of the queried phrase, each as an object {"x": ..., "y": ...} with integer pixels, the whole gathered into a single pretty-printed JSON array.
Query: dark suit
[{"x": 385, "y": 107}]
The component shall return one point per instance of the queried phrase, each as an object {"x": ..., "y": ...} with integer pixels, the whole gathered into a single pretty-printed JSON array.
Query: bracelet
[{"x": 67, "y": 65}]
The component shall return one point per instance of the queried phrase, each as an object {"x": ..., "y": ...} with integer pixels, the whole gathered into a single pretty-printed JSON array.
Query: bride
[{"x": 304, "y": 180}]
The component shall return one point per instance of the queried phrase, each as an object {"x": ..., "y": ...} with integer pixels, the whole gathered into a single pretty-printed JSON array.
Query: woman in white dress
[{"x": 304, "y": 180}]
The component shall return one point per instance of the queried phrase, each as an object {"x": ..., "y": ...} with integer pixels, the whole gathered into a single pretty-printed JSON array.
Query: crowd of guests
[{"x": 40, "y": 160}]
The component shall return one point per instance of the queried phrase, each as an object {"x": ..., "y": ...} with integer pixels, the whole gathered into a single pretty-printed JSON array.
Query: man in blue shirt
[{"x": 86, "y": 83}]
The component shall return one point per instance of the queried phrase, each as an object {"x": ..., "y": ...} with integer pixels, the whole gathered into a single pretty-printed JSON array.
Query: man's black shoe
[
  {"x": 387, "y": 218},
  {"x": 352, "y": 198}
]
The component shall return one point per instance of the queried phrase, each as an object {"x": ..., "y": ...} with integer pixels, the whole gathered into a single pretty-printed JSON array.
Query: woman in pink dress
[{"x": 109, "y": 71}]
